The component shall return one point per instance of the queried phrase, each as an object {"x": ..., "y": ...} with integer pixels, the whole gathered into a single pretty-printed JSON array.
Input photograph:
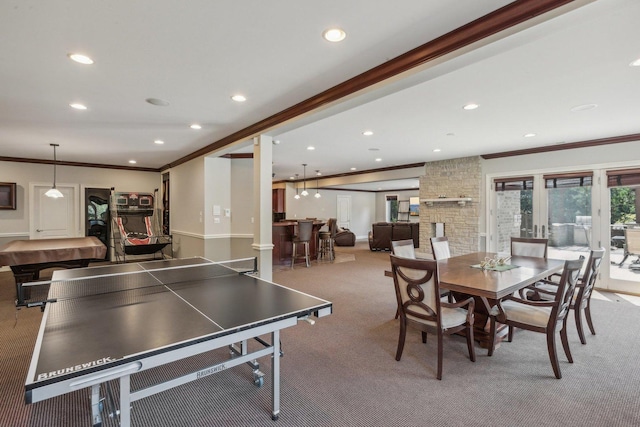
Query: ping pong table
[{"x": 108, "y": 323}]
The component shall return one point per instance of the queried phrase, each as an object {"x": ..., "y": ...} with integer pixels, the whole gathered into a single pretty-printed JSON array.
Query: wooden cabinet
[{"x": 278, "y": 200}]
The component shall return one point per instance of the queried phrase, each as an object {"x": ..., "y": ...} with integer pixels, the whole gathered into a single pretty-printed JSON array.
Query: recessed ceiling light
[
  {"x": 436, "y": 150},
  {"x": 195, "y": 126},
  {"x": 158, "y": 141},
  {"x": 583, "y": 107},
  {"x": 78, "y": 106},
  {"x": 318, "y": 173},
  {"x": 367, "y": 133},
  {"x": 353, "y": 169},
  {"x": 158, "y": 102},
  {"x": 82, "y": 59},
  {"x": 378, "y": 159},
  {"x": 311, "y": 148},
  {"x": 275, "y": 142},
  {"x": 239, "y": 98},
  {"x": 133, "y": 162},
  {"x": 635, "y": 63},
  {"x": 334, "y": 34},
  {"x": 529, "y": 135},
  {"x": 291, "y": 177},
  {"x": 470, "y": 106}
]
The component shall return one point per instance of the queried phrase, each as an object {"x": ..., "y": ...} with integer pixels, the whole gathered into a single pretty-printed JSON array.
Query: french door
[
  {"x": 577, "y": 212},
  {"x": 558, "y": 207}
]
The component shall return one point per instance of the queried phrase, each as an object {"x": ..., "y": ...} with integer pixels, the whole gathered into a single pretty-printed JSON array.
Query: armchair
[
  {"x": 343, "y": 236},
  {"x": 546, "y": 317},
  {"x": 521, "y": 246},
  {"x": 418, "y": 294},
  {"x": 546, "y": 290}
]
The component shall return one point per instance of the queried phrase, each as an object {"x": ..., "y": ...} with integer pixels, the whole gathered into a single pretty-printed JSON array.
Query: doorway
[
  {"x": 53, "y": 218},
  {"x": 343, "y": 216},
  {"x": 97, "y": 215},
  {"x": 577, "y": 211}
]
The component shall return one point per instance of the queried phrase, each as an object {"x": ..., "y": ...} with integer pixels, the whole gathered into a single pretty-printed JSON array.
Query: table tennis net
[{"x": 95, "y": 283}]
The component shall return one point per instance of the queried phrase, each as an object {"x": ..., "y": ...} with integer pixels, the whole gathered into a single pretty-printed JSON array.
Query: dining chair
[
  {"x": 525, "y": 246},
  {"x": 546, "y": 317},
  {"x": 581, "y": 301},
  {"x": 418, "y": 293},
  {"x": 403, "y": 248},
  {"x": 440, "y": 248}
]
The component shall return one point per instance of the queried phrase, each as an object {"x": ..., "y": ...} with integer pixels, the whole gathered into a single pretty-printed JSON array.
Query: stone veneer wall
[{"x": 453, "y": 178}]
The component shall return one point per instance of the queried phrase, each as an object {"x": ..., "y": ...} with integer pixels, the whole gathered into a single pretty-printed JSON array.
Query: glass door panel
[
  {"x": 569, "y": 222},
  {"x": 514, "y": 213},
  {"x": 624, "y": 269},
  {"x": 514, "y": 217}
]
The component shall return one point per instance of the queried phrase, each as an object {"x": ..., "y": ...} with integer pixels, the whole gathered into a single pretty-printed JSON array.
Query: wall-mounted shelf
[{"x": 460, "y": 200}]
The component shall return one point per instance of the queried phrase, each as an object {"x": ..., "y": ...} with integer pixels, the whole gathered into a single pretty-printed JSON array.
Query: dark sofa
[{"x": 382, "y": 233}]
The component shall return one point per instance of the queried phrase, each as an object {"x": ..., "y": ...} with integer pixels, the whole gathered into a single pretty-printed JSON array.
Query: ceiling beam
[{"x": 499, "y": 20}]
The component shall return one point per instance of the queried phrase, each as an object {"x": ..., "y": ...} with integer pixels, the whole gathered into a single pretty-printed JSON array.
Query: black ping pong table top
[{"x": 83, "y": 334}]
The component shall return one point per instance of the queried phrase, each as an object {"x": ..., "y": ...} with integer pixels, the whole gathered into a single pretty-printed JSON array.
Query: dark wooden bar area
[{"x": 282, "y": 235}]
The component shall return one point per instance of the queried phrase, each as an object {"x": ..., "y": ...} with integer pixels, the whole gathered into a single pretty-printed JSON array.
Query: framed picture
[
  {"x": 7, "y": 195},
  {"x": 414, "y": 206}
]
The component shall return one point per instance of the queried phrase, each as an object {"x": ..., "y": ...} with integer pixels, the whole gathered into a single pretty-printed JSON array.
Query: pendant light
[
  {"x": 305, "y": 193},
  {"x": 297, "y": 196},
  {"x": 53, "y": 191},
  {"x": 317, "y": 195}
]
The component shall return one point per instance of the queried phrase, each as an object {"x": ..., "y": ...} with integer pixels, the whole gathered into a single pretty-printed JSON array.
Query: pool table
[{"x": 28, "y": 257}]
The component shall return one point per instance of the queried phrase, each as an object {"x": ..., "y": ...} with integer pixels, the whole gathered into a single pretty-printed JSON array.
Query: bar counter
[{"x": 282, "y": 234}]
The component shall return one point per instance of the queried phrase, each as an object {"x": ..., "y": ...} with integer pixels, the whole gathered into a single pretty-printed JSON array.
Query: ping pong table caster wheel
[
  {"x": 275, "y": 417},
  {"x": 258, "y": 382}
]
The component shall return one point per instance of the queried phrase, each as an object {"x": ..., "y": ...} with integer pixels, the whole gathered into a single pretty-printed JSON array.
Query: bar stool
[
  {"x": 303, "y": 236},
  {"x": 326, "y": 240}
]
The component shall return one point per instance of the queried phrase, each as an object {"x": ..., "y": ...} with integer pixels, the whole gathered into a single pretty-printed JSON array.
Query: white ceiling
[{"x": 197, "y": 54}]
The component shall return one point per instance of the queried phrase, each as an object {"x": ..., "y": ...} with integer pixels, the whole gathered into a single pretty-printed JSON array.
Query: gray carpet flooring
[{"x": 342, "y": 371}]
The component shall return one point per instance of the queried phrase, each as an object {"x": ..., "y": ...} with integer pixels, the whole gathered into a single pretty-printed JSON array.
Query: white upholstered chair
[
  {"x": 522, "y": 246},
  {"x": 403, "y": 248},
  {"x": 440, "y": 248}
]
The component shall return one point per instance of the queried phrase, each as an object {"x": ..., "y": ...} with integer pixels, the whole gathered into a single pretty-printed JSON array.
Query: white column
[{"x": 262, "y": 234}]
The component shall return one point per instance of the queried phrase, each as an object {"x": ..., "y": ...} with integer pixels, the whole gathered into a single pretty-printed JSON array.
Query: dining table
[{"x": 464, "y": 276}]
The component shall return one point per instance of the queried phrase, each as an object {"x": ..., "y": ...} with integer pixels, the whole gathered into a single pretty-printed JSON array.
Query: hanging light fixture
[
  {"x": 297, "y": 196},
  {"x": 305, "y": 193},
  {"x": 53, "y": 191},
  {"x": 317, "y": 195}
]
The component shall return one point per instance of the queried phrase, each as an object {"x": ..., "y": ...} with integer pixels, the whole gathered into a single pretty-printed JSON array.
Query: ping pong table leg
[
  {"x": 95, "y": 406},
  {"x": 275, "y": 374},
  {"x": 125, "y": 401}
]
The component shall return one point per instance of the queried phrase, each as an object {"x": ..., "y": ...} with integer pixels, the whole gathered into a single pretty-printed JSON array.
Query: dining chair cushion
[
  {"x": 450, "y": 317},
  {"x": 440, "y": 248},
  {"x": 517, "y": 312},
  {"x": 403, "y": 248},
  {"x": 528, "y": 249}
]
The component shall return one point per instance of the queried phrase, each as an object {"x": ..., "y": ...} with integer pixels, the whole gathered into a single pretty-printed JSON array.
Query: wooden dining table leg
[{"x": 482, "y": 322}]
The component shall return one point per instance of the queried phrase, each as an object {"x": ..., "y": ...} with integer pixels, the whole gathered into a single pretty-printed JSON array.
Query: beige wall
[
  {"x": 363, "y": 207},
  {"x": 187, "y": 208},
  {"x": 14, "y": 224},
  {"x": 199, "y": 185}
]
